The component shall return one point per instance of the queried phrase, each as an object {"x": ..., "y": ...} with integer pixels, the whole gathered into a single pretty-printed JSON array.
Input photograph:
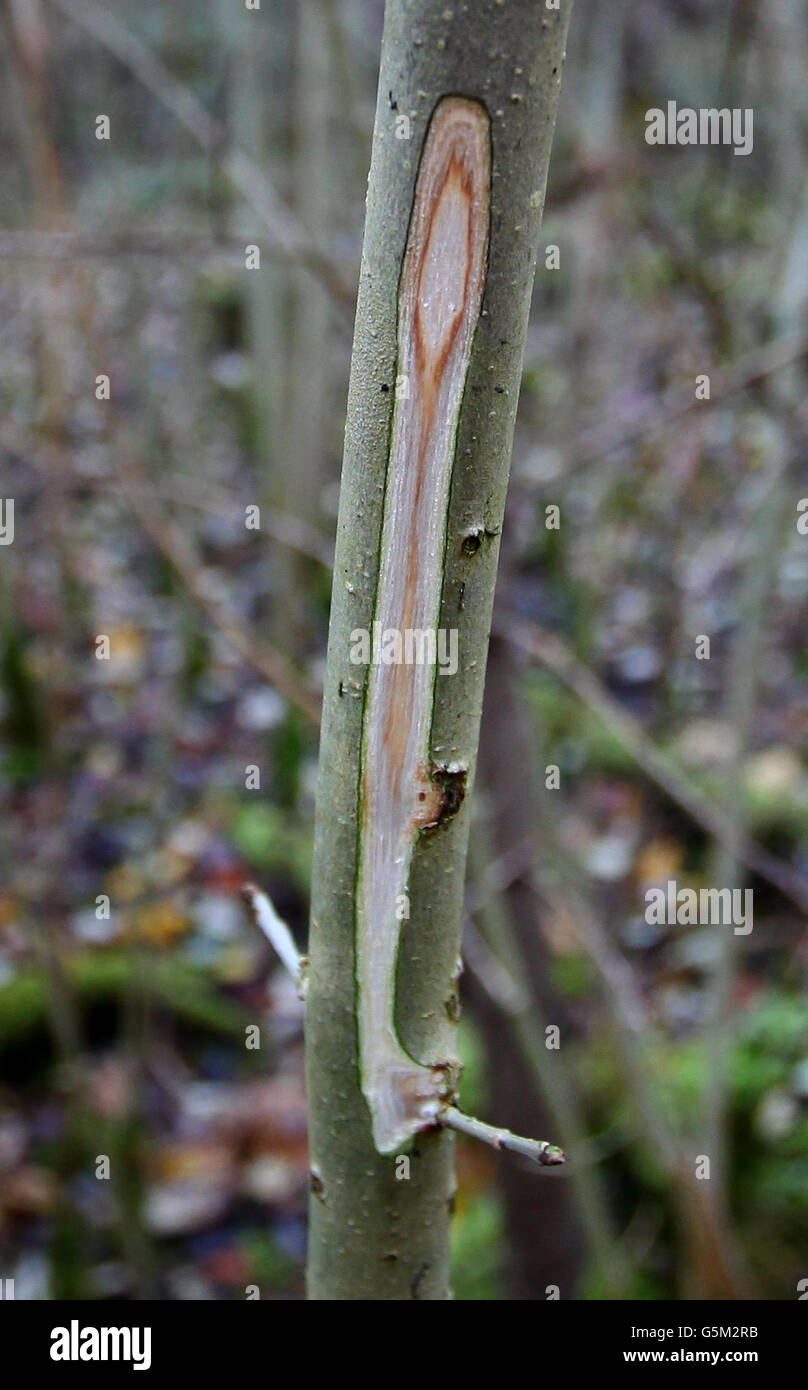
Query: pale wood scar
[{"x": 440, "y": 297}]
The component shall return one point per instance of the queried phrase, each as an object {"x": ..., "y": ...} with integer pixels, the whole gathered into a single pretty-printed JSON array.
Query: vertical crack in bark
[{"x": 440, "y": 295}]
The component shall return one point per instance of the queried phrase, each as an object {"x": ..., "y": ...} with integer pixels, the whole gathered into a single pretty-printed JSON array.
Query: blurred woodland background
[{"x": 128, "y": 778}]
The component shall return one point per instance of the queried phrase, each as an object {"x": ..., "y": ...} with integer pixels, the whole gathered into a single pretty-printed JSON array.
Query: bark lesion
[
  {"x": 447, "y": 783},
  {"x": 403, "y": 793}
]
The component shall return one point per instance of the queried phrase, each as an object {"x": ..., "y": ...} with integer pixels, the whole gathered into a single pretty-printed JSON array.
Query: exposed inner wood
[{"x": 439, "y": 304}]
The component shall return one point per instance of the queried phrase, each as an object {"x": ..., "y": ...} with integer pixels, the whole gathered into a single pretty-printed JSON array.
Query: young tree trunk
[{"x": 465, "y": 114}]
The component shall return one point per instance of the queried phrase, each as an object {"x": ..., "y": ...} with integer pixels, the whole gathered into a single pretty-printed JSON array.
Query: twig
[
  {"x": 277, "y": 933},
  {"x": 538, "y": 1150}
]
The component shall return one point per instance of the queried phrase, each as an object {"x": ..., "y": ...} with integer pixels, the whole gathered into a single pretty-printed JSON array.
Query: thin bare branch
[
  {"x": 537, "y": 1150},
  {"x": 277, "y": 934}
]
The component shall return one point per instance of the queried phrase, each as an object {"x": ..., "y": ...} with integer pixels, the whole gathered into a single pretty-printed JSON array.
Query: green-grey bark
[{"x": 373, "y": 1236}]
